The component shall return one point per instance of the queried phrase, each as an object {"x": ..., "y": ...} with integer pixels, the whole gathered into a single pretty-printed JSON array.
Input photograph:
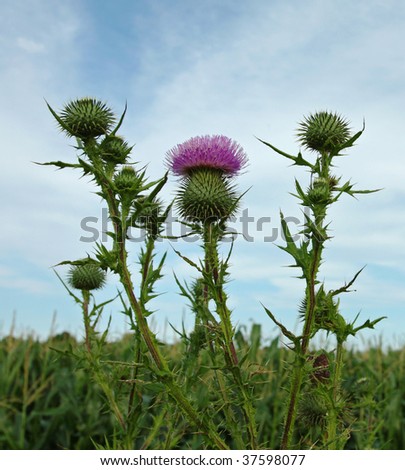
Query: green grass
[{"x": 48, "y": 400}]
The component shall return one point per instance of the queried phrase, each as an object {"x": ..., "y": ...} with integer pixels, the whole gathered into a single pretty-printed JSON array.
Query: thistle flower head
[
  {"x": 86, "y": 277},
  {"x": 207, "y": 196},
  {"x": 86, "y": 118},
  {"x": 217, "y": 152},
  {"x": 323, "y": 131}
]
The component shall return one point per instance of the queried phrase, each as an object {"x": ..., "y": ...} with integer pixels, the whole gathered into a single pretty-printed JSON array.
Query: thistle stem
[
  {"x": 166, "y": 375},
  {"x": 297, "y": 378},
  {"x": 310, "y": 295},
  {"x": 295, "y": 387},
  {"x": 160, "y": 362},
  {"x": 86, "y": 319},
  {"x": 333, "y": 413},
  {"x": 94, "y": 363},
  {"x": 212, "y": 271}
]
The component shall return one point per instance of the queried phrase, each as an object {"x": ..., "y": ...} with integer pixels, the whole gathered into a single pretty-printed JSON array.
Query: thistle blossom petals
[{"x": 217, "y": 152}]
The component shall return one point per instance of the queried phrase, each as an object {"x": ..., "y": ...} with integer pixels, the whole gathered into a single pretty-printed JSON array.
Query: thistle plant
[
  {"x": 206, "y": 199},
  {"x": 132, "y": 202},
  {"x": 315, "y": 391},
  {"x": 317, "y": 412},
  {"x": 87, "y": 277}
]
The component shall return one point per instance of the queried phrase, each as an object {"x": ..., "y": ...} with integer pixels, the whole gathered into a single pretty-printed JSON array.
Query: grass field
[{"x": 49, "y": 401}]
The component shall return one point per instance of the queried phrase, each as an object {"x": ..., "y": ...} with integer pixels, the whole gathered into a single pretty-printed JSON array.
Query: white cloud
[
  {"x": 30, "y": 45},
  {"x": 241, "y": 70},
  {"x": 11, "y": 279}
]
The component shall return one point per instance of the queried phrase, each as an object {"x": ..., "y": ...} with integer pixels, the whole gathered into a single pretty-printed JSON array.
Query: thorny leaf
[{"x": 298, "y": 160}]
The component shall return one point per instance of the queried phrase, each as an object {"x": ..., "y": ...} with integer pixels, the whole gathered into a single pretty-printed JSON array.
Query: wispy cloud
[
  {"x": 22, "y": 285},
  {"x": 238, "y": 68},
  {"x": 30, "y": 45}
]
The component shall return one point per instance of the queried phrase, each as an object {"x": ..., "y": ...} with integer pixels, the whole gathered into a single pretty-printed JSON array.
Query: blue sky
[{"x": 187, "y": 68}]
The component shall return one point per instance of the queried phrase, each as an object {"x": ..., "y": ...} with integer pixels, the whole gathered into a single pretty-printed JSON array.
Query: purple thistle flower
[{"x": 217, "y": 152}]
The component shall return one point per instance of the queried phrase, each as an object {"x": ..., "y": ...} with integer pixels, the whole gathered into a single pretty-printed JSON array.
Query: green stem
[
  {"x": 94, "y": 365},
  {"x": 297, "y": 378},
  {"x": 165, "y": 373},
  {"x": 150, "y": 246},
  {"x": 232, "y": 425},
  {"x": 134, "y": 375},
  {"x": 86, "y": 319},
  {"x": 311, "y": 296},
  {"x": 105, "y": 386},
  {"x": 333, "y": 412},
  {"x": 295, "y": 388},
  {"x": 160, "y": 362},
  {"x": 338, "y": 370},
  {"x": 231, "y": 358}
]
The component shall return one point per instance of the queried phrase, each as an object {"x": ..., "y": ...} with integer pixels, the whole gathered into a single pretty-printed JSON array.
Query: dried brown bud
[{"x": 321, "y": 372}]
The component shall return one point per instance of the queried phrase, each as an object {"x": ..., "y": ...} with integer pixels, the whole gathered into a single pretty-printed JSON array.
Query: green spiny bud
[
  {"x": 319, "y": 194},
  {"x": 86, "y": 277},
  {"x": 86, "y": 118},
  {"x": 127, "y": 180},
  {"x": 151, "y": 217},
  {"x": 323, "y": 132},
  {"x": 313, "y": 408},
  {"x": 321, "y": 182},
  {"x": 206, "y": 195},
  {"x": 331, "y": 182},
  {"x": 198, "y": 339},
  {"x": 114, "y": 149},
  {"x": 199, "y": 288},
  {"x": 326, "y": 309}
]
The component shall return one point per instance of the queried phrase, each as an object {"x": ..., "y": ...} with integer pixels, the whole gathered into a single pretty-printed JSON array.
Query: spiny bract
[
  {"x": 323, "y": 131},
  {"x": 86, "y": 277},
  {"x": 206, "y": 195},
  {"x": 128, "y": 180},
  {"x": 114, "y": 149},
  {"x": 151, "y": 217},
  {"x": 86, "y": 118}
]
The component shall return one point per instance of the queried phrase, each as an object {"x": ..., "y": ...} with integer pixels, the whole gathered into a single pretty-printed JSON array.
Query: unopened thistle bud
[
  {"x": 114, "y": 149},
  {"x": 86, "y": 277},
  {"x": 86, "y": 118},
  {"x": 127, "y": 180},
  {"x": 151, "y": 217},
  {"x": 128, "y": 184},
  {"x": 313, "y": 408},
  {"x": 320, "y": 193},
  {"x": 206, "y": 195},
  {"x": 323, "y": 132}
]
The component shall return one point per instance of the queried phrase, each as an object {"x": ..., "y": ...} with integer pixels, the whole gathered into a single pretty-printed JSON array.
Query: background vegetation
[{"x": 49, "y": 401}]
